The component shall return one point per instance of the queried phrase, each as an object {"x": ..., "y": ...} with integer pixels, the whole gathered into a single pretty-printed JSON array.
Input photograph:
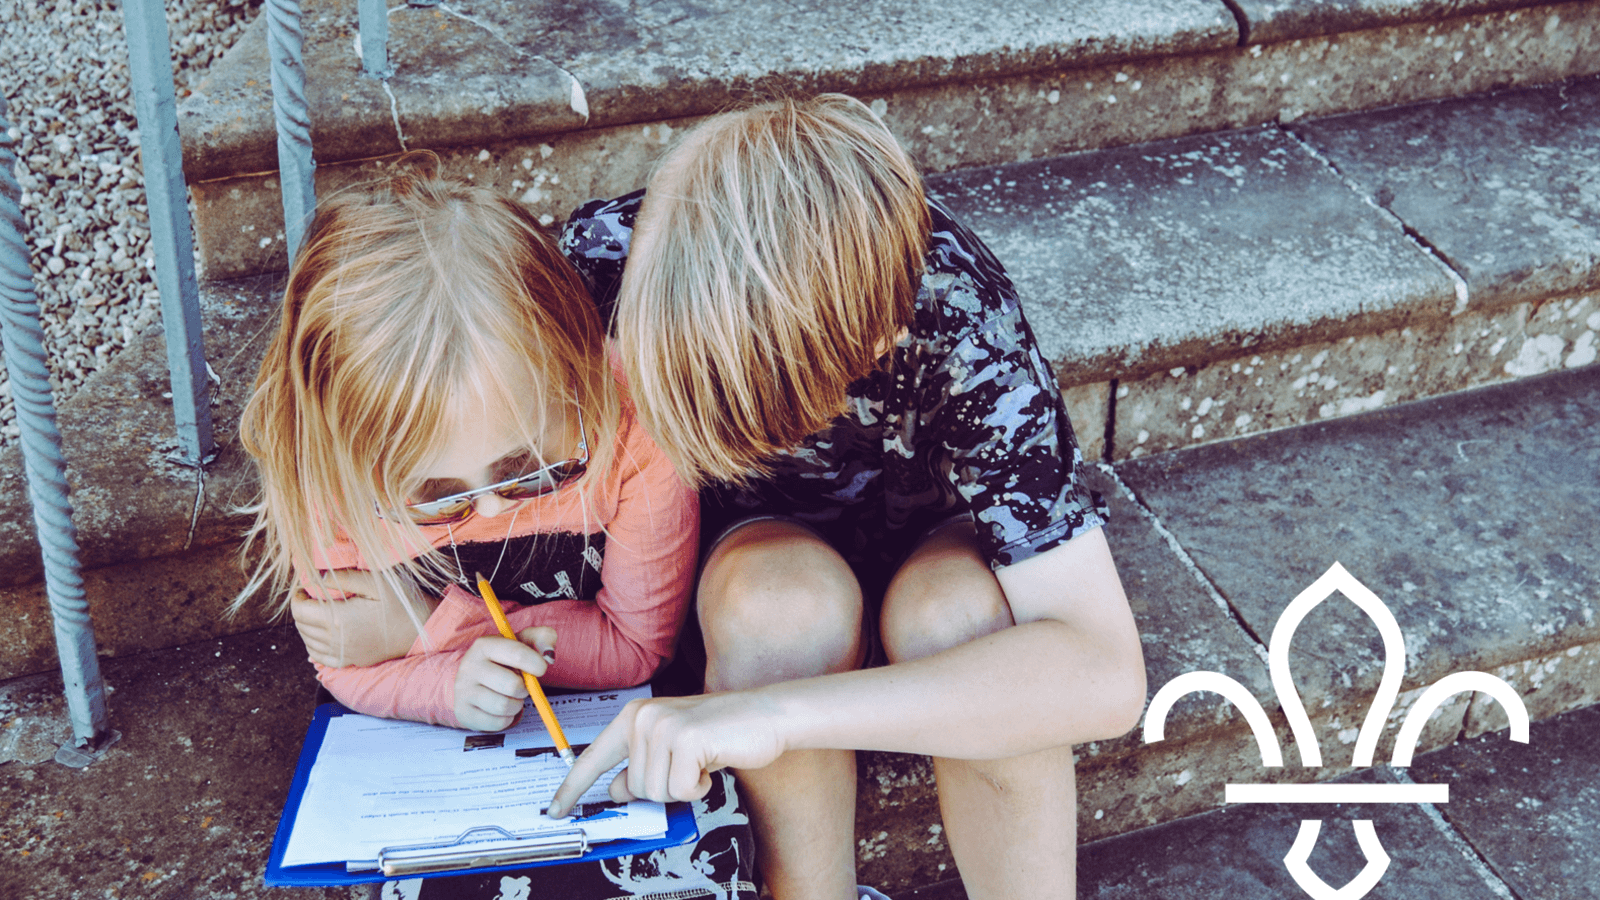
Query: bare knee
[
  {"x": 776, "y": 604},
  {"x": 944, "y": 596}
]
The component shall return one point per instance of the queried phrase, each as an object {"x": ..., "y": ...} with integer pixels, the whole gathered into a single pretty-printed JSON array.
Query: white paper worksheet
[{"x": 380, "y": 783}]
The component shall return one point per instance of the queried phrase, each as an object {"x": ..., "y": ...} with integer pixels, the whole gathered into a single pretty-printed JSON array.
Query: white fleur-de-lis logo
[{"x": 1336, "y": 579}]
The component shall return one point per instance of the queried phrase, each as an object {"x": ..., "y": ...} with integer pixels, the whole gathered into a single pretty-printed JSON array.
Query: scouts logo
[{"x": 1336, "y": 579}]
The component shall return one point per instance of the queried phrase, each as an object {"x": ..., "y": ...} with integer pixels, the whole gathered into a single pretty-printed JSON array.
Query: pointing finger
[{"x": 608, "y": 749}]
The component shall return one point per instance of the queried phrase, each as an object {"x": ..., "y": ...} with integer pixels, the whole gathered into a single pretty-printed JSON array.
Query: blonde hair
[
  {"x": 405, "y": 302},
  {"x": 777, "y": 257}
]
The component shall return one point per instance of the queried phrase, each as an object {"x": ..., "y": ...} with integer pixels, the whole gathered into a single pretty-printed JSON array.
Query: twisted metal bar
[
  {"x": 171, "y": 234},
  {"x": 22, "y": 337},
  {"x": 296, "y": 167},
  {"x": 374, "y": 21}
]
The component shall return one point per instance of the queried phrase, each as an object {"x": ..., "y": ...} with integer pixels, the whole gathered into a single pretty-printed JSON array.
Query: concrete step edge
[{"x": 1116, "y": 77}]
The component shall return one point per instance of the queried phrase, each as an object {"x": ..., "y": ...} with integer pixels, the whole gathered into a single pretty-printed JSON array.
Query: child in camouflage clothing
[{"x": 887, "y": 474}]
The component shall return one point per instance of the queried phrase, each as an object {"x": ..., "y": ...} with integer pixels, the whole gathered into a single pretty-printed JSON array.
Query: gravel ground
[{"x": 64, "y": 70}]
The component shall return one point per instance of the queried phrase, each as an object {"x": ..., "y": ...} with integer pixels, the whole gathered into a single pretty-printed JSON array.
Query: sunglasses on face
[{"x": 456, "y": 507}]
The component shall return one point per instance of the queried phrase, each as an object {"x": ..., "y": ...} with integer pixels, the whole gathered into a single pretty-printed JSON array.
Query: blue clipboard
[{"x": 681, "y": 829}]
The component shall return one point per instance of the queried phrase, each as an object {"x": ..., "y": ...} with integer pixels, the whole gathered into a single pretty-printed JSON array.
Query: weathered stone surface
[
  {"x": 1469, "y": 517},
  {"x": 1134, "y": 100},
  {"x": 141, "y": 605},
  {"x": 1529, "y": 809},
  {"x": 1504, "y": 187},
  {"x": 1143, "y": 258},
  {"x": 1549, "y": 685},
  {"x": 1170, "y": 780},
  {"x": 184, "y": 806},
  {"x": 1270, "y": 21},
  {"x": 1089, "y": 408},
  {"x": 900, "y": 839},
  {"x": 491, "y": 71},
  {"x": 1138, "y": 95},
  {"x": 150, "y": 581},
  {"x": 243, "y": 217},
  {"x": 1238, "y": 853},
  {"x": 1181, "y": 626},
  {"x": 968, "y": 123},
  {"x": 128, "y": 500},
  {"x": 1326, "y": 379}
]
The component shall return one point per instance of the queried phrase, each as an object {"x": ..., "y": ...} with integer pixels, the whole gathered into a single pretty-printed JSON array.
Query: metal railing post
[
  {"x": 374, "y": 23},
  {"x": 22, "y": 337},
  {"x": 155, "y": 105},
  {"x": 296, "y": 167}
]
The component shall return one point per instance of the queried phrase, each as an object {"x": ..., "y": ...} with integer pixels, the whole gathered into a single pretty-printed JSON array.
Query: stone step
[
  {"x": 557, "y": 103},
  {"x": 1225, "y": 284}
]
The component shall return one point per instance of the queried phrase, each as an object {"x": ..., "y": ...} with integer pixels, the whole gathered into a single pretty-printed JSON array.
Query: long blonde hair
[
  {"x": 405, "y": 301},
  {"x": 777, "y": 258}
]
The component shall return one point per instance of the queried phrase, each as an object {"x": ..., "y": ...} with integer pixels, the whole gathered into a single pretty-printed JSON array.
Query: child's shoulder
[
  {"x": 964, "y": 286},
  {"x": 636, "y": 450}
]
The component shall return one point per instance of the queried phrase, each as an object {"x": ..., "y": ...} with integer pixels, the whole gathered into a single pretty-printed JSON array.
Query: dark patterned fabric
[
  {"x": 719, "y": 864},
  {"x": 966, "y": 416},
  {"x": 535, "y": 568}
]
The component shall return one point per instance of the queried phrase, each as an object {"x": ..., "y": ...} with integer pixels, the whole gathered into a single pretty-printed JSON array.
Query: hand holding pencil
[
  {"x": 540, "y": 702},
  {"x": 489, "y": 691}
]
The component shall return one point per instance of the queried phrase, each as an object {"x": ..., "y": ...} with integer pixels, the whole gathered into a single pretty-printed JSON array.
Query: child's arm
[
  {"x": 631, "y": 627},
  {"x": 350, "y": 618},
  {"x": 443, "y": 677},
  {"x": 1070, "y": 671}
]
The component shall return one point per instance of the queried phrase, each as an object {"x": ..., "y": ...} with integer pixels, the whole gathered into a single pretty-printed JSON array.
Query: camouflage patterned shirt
[{"x": 966, "y": 416}]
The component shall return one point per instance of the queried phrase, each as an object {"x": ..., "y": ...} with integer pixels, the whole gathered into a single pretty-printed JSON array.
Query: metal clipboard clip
[{"x": 481, "y": 847}]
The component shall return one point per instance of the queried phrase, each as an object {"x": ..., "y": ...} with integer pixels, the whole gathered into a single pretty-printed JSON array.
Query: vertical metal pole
[
  {"x": 374, "y": 22},
  {"x": 171, "y": 234},
  {"x": 296, "y": 168},
  {"x": 22, "y": 337}
]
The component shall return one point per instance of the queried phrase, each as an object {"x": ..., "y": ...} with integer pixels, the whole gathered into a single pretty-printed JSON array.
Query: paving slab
[
  {"x": 184, "y": 806},
  {"x": 1469, "y": 516},
  {"x": 1143, "y": 258},
  {"x": 1239, "y": 853},
  {"x": 1530, "y": 810},
  {"x": 1505, "y": 187}
]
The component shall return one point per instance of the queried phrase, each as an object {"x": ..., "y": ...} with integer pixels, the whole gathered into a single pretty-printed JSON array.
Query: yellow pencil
[{"x": 534, "y": 691}]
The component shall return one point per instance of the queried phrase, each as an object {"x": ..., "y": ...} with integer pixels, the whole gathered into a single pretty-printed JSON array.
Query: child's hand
[
  {"x": 672, "y": 744},
  {"x": 360, "y": 624},
  {"x": 489, "y": 691}
]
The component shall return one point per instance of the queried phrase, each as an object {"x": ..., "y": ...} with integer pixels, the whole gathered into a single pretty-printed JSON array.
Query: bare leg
[
  {"x": 778, "y": 604},
  {"x": 1012, "y": 823}
]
